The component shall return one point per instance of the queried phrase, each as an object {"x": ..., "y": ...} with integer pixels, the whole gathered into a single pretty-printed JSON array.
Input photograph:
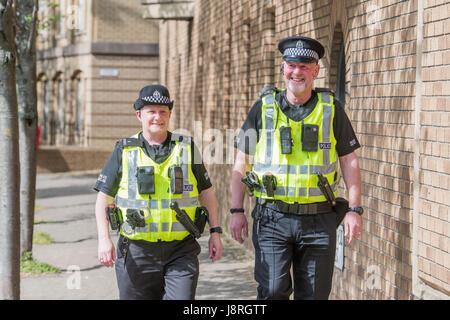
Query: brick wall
[
  {"x": 215, "y": 64},
  {"x": 434, "y": 154}
]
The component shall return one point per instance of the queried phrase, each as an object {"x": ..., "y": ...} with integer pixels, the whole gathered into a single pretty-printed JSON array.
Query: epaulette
[
  {"x": 130, "y": 142},
  {"x": 325, "y": 90},
  {"x": 266, "y": 90},
  {"x": 181, "y": 138}
]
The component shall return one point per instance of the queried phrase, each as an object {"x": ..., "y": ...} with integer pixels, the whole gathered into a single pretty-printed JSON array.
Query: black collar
[{"x": 285, "y": 104}]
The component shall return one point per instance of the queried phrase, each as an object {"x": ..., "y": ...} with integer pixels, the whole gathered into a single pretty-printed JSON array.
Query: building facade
[
  {"x": 93, "y": 57},
  {"x": 388, "y": 62}
]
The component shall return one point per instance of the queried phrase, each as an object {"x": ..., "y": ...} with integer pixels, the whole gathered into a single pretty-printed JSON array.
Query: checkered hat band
[
  {"x": 159, "y": 99},
  {"x": 301, "y": 52}
]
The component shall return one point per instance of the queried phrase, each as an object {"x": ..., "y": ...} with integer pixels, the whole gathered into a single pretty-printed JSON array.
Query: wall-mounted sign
[
  {"x": 108, "y": 72},
  {"x": 339, "y": 257}
]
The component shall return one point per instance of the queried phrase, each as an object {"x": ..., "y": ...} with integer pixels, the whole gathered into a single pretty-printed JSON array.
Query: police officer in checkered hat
[
  {"x": 152, "y": 185},
  {"x": 300, "y": 131},
  {"x": 154, "y": 94},
  {"x": 301, "y": 49}
]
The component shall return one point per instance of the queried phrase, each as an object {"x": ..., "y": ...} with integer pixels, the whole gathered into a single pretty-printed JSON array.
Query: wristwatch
[
  {"x": 358, "y": 210},
  {"x": 215, "y": 229}
]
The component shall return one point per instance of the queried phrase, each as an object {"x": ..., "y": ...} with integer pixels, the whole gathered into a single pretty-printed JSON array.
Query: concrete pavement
[{"x": 65, "y": 210}]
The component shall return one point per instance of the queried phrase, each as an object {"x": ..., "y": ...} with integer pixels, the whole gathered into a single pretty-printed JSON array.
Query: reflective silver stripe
[
  {"x": 165, "y": 203},
  {"x": 165, "y": 227},
  {"x": 326, "y": 132},
  {"x": 269, "y": 133},
  {"x": 121, "y": 202},
  {"x": 177, "y": 226},
  {"x": 184, "y": 155},
  {"x": 302, "y": 192},
  {"x": 304, "y": 169},
  {"x": 281, "y": 191},
  {"x": 315, "y": 192},
  {"x": 132, "y": 179},
  {"x": 326, "y": 169},
  {"x": 326, "y": 98},
  {"x": 292, "y": 169},
  {"x": 153, "y": 227},
  {"x": 274, "y": 168},
  {"x": 269, "y": 99}
]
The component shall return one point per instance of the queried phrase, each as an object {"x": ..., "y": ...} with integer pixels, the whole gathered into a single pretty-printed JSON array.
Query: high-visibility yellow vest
[
  {"x": 296, "y": 172},
  {"x": 160, "y": 220}
]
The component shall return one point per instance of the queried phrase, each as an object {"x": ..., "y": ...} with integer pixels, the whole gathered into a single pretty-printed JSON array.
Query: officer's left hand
[
  {"x": 215, "y": 246},
  {"x": 106, "y": 252},
  {"x": 353, "y": 226}
]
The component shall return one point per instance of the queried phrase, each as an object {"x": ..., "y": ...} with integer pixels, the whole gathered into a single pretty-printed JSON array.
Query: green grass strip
[{"x": 30, "y": 266}]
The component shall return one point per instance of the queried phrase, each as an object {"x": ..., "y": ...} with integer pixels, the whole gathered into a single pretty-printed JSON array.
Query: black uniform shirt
[
  {"x": 342, "y": 128},
  {"x": 109, "y": 179}
]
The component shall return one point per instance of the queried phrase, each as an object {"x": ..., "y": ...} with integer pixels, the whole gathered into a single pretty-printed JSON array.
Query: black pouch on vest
[
  {"x": 310, "y": 137},
  {"x": 135, "y": 218},
  {"x": 176, "y": 180},
  {"x": 201, "y": 216},
  {"x": 286, "y": 140},
  {"x": 146, "y": 180}
]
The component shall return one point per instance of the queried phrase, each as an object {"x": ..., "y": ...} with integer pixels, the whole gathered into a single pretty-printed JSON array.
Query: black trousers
[
  {"x": 157, "y": 270},
  {"x": 306, "y": 242}
]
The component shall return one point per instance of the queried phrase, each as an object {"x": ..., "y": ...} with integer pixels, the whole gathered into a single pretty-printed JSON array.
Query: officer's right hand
[
  {"x": 238, "y": 225},
  {"x": 106, "y": 252}
]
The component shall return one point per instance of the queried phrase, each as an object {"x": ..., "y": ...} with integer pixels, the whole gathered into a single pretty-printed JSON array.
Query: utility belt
[{"x": 295, "y": 208}]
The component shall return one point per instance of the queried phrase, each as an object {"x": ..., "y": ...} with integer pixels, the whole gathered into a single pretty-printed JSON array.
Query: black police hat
[
  {"x": 301, "y": 49},
  {"x": 154, "y": 94}
]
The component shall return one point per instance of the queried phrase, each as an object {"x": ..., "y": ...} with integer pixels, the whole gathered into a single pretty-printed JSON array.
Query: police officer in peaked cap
[
  {"x": 154, "y": 189},
  {"x": 299, "y": 131}
]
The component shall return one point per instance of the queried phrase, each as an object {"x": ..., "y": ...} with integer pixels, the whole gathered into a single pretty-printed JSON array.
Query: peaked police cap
[
  {"x": 301, "y": 49},
  {"x": 154, "y": 94}
]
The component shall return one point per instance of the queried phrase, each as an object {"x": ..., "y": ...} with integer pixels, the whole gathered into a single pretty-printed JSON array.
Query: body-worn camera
[
  {"x": 286, "y": 140},
  {"x": 146, "y": 180},
  {"x": 310, "y": 137}
]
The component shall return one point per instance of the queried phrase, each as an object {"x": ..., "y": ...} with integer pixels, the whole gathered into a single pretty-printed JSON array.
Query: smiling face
[
  {"x": 154, "y": 119},
  {"x": 299, "y": 77}
]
